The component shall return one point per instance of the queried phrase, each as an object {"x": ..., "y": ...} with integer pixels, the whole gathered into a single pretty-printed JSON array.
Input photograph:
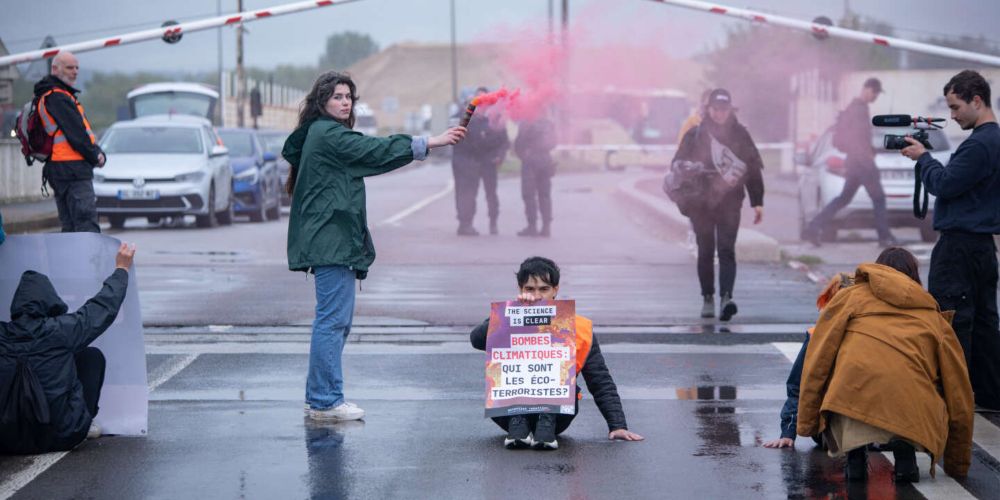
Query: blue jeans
[{"x": 334, "y": 314}]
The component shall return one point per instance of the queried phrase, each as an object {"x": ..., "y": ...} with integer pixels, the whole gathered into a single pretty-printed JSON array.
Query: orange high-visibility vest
[
  {"x": 61, "y": 149},
  {"x": 584, "y": 340}
]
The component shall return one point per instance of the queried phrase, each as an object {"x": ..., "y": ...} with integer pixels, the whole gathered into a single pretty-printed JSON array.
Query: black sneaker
[
  {"x": 727, "y": 308},
  {"x": 518, "y": 434},
  {"x": 856, "y": 468},
  {"x": 905, "y": 456},
  {"x": 545, "y": 432}
]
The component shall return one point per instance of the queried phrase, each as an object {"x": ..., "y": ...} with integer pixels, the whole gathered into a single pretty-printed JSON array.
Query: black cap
[
  {"x": 874, "y": 84},
  {"x": 720, "y": 98}
]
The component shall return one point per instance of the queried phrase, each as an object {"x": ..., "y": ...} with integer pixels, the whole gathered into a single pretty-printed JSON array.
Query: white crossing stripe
[
  {"x": 986, "y": 435},
  {"x": 789, "y": 349},
  {"x": 940, "y": 486}
]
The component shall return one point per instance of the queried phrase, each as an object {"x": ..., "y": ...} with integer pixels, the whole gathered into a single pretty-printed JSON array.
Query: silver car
[
  {"x": 160, "y": 166},
  {"x": 821, "y": 179}
]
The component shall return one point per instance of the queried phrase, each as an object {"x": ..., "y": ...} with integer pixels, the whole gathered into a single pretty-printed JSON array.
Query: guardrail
[
  {"x": 661, "y": 154},
  {"x": 18, "y": 181}
]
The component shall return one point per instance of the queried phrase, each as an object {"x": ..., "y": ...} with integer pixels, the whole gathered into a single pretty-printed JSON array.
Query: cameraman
[{"x": 963, "y": 272}]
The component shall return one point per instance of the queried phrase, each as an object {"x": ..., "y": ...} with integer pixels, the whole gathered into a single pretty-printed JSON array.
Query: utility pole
[
  {"x": 222, "y": 78},
  {"x": 565, "y": 20},
  {"x": 551, "y": 20},
  {"x": 241, "y": 83},
  {"x": 454, "y": 57}
]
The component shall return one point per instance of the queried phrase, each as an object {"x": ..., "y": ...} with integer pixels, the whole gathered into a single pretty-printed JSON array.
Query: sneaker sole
[
  {"x": 543, "y": 446},
  {"x": 519, "y": 443},
  {"x": 334, "y": 418}
]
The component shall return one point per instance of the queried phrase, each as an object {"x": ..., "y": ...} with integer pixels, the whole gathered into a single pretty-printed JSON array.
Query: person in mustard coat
[{"x": 884, "y": 366}]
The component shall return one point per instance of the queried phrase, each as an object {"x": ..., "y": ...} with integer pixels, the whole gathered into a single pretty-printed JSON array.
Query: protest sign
[
  {"x": 77, "y": 264},
  {"x": 531, "y": 358}
]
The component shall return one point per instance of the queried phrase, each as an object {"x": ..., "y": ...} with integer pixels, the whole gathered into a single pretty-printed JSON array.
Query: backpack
[
  {"x": 687, "y": 185},
  {"x": 25, "y": 421},
  {"x": 841, "y": 133},
  {"x": 36, "y": 143}
]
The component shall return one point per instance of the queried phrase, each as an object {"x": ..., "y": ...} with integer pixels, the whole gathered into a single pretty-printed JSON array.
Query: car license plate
[
  {"x": 897, "y": 175},
  {"x": 138, "y": 194}
]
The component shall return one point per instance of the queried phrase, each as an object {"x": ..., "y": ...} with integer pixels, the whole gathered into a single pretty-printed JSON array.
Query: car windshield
[
  {"x": 936, "y": 138},
  {"x": 272, "y": 143},
  {"x": 239, "y": 143},
  {"x": 168, "y": 103},
  {"x": 165, "y": 140}
]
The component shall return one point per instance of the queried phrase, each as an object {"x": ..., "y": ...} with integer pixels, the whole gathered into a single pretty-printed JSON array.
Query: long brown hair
[
  {"x": 314, "y": 107},
  {"x": 901, "y": 260}
]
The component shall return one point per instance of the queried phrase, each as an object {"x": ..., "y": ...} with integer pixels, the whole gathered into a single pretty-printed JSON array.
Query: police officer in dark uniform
[
  {"x": 75, "y": 153},
  {"x": 963, "y": 272},
  {"x": 478, "y": 157},
  {"x": 534, "y": 144}
]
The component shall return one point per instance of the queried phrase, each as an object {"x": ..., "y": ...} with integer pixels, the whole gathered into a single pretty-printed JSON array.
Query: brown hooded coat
[{"x": 884, "y": 354}]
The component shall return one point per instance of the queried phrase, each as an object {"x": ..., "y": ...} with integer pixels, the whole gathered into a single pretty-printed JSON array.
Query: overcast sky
[{"x": 300, "y": 38}]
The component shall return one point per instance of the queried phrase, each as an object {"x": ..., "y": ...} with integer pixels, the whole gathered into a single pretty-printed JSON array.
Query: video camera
[{"x": 896, "y": 142}]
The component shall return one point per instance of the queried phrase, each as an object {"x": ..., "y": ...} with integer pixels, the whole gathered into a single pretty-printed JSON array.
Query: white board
[{"x": 77, "y": 264}]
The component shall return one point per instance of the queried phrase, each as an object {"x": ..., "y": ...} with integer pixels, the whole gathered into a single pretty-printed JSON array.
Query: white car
[
  {"x": 159, "y": 166},
  {"x": 821, "y": 178}
]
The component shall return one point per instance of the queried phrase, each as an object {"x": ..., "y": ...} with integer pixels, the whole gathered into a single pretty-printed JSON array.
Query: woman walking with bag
[
  {"x": 328, "y": 229},
  {"x": 723, "y": 160}
]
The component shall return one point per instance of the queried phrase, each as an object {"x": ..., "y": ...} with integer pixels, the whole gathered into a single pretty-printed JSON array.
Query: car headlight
[
  {"x": 190, "y": 177},
  {"x": 249, "y": 175}
]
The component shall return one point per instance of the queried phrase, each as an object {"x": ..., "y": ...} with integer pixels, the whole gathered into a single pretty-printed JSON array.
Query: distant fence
[
  {"x": 18, "y": 181},
  {"x": 280, "y": 104}
]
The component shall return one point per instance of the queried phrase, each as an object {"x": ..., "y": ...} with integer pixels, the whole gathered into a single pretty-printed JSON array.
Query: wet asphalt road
[{"x": 227, "y": 346}]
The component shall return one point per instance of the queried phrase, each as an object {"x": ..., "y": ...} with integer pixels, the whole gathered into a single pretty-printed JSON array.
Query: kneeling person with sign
[{"x": 538, "y": 280}]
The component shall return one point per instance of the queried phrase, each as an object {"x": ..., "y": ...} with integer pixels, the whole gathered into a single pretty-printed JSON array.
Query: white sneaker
[
  {"x": 344, "y": 411},
  {"x": 94, "y": 432}
]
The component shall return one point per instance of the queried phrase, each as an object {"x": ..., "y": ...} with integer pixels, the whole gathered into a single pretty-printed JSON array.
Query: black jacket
[
  {"x": 48, "y": 337},
  {"x": 68, "y": 119},
  {"x": 534, "y": 144},
  {"x": 483, "y": 146},
  {"x": 696, "y": 146},
  {"x": 855, "y": 124},
  {"x": 968, "y": 189},
  {"x": 595, "y": 373}
]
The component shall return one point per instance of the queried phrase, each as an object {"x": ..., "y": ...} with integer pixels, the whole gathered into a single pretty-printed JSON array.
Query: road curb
[
  {"x": 31, "y": 225},
  {"x": 751, "y": 245}
]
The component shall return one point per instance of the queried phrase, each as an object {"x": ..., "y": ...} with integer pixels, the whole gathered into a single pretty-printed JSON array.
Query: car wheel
[
  {"x": 209, "y": 219},
  {"x": 927, "y": 232},
  {"x": 226, "y": 216},
  {"x": 117, "y": 221},
  {"x": 274, "y": 213}
]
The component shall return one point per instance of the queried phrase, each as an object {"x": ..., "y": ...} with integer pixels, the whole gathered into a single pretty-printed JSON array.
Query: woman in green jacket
[{"x": 328, "y": 230}]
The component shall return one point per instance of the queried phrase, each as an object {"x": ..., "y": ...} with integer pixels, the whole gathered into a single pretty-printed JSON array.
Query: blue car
[{"x": 256, "y": 180}]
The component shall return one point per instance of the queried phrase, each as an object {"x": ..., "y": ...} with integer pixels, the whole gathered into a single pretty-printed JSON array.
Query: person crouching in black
[
  {"x": 51, "y": 378},
  {"x": 725, "y": 149}
]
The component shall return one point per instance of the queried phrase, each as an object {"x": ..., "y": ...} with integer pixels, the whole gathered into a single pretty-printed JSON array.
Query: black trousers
[
  {"x": 536, "y": 191},
  {"x": 77, "y": 205},
  {"x": 715, "y": 231},
  {"x": 856, "y": 177},
  {"x": 467, "y": 177},
  {"x": 963, "y": 278},
  {"x": 562, "y": 420},
  {"x": 90, "y": 365}
]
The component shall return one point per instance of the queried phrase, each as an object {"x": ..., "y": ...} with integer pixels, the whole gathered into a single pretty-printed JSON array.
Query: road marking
[
  {"x": 418, "y": 205},
  {"x": 170, "y": 368},
  {"x": 18, "y": 480},
  {"x": 41, "y": 463},
  {"x": 789, "y": 349},
  {"x": 225, "y": 346},
  {"x": 986, "y": 435},
  {"x": 940, "y": 486}
]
